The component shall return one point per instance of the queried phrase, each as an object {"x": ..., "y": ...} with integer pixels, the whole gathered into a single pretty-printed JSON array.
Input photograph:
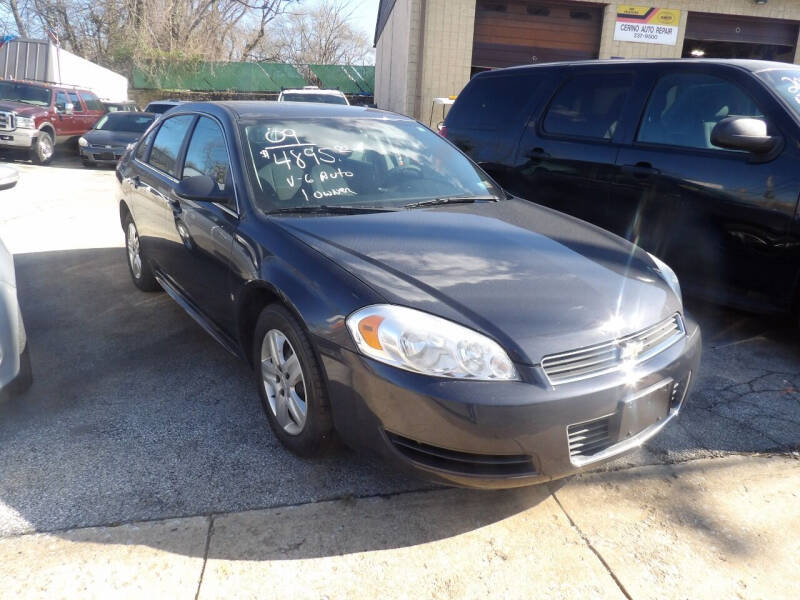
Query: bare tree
[
  {"x": 149, "y": 34},
  {"x": 322, "y": 35}
]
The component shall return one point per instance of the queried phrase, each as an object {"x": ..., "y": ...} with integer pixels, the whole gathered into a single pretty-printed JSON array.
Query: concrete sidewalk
[{"x": 712, "y": 528}]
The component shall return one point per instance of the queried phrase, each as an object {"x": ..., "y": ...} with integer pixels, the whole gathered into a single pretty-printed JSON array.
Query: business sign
[{"x": 647, "y": 25}]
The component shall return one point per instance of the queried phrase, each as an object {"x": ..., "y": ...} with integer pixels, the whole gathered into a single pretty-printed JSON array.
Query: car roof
[
  {"x": 745, "y": 64},
  {"x": 244, "y": 109}
]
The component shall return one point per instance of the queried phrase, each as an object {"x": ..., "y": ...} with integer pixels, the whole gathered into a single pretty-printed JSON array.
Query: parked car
[
  {"x": 695, "y": 161},
  {"x": 129, "y": 106},
  {"x": 381, "y": 284},
  {"x": 161, "y": 106},
  {"x": 15, "y": 366},
  {"x": 37, "y": 116},
  {"x": 312, "y": 93},
  {"x": 107, "y": 140},
  {"x": 9, "y": 176}
]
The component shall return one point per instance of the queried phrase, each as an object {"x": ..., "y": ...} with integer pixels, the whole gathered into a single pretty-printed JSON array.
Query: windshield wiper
[
  {"x": 451, "y": 200},
  {"x": 334, "y": 210}
]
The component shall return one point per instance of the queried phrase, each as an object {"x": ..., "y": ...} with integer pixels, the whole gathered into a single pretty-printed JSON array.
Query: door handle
[
  {"x": 641, "y": 170},
  {"x": 537, "y": 154}
]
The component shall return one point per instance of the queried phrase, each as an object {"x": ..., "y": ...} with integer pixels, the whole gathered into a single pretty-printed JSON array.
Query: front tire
[
  {"x": 43, "y": 148},
  {"x": 290, "y": 383},
  {"x": 139, "y": 268}
]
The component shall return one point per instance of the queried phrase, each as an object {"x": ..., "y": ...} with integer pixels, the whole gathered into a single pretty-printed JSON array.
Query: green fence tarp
[
  {"x": 219, "y": 77},
  {"x": 348, "y": 79}
]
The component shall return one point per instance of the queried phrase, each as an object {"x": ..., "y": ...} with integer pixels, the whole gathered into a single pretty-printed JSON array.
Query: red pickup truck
[{"x": 36, "y": 116}]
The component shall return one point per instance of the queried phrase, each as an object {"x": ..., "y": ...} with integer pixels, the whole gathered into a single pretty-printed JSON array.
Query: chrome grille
[
  {"x": 610, "y": 356},
  {"x": 591, "y": 437},
  {"x": 6, "y": 121}
]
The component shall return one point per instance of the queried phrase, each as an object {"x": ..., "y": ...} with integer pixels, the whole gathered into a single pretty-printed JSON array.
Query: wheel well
[
  {"x": 253, "y": 303},
  {"x": 49, "y": 129},
  {"x": 123, "y": 212}
]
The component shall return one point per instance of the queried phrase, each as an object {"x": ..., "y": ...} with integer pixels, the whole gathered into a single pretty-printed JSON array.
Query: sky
[{"x": 365, "y": 14}]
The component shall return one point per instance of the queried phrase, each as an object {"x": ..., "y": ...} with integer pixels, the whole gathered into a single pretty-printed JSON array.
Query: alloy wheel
[
  {"x": 45, "y": 148},
  {"x": 134, "y": 254},
  {"x": 284, "y": 382}
]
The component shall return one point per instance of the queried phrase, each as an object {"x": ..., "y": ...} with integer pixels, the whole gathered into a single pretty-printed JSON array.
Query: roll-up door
[
  {"x": 515, "y": 33},
  {"x": 732, "y": 36}
]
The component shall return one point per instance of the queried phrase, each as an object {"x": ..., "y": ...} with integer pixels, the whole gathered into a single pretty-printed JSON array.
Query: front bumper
[
  {"x": 100, "y": 154},
  {"x": 15, "y": 369},
  {"x": 18, "y": 138},
  {"x": 506, "y": 434}
]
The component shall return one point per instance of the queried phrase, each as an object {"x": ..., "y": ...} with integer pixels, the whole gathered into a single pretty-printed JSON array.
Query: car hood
[
  {"x": 535, "y": 280},
  {"x": 26, "y": 110},
  {"x": 100, "y": 137}
]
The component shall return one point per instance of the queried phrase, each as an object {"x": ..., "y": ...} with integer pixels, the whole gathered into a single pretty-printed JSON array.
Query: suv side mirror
[
  {"x": 744, "y": 133},
  {"x": 202, "y": 188},
  {"x": 69, "y": 108}
]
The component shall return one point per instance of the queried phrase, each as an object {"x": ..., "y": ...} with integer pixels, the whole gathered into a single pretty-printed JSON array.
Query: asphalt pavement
[{"x": 137, "y": 414}]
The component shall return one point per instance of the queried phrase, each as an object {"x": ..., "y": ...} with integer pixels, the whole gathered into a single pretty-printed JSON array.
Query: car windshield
[
  {"x": 325, "y": 98},
  {"x": 786, "y": 82},
  {"x": 124, "y": 121},
  {"x": 377, "y": 163},
  {"x": 22, "y": 92}
]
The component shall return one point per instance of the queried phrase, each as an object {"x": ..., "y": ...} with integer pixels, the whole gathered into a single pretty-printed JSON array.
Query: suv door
[
  {"x": 94, "y": 109},
  {"x": 567, "y": 152},
  {"x": 200, "y": 264},
  {"x": 718, "y": 217},
  {"x": 65, "y": 123}
]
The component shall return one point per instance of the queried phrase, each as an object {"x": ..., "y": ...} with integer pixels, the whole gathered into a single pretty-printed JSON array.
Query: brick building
[{"x": 430, "y": 48}]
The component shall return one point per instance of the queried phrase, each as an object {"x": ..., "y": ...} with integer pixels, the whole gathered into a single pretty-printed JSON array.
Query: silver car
[{"x": 15, "y": 366}]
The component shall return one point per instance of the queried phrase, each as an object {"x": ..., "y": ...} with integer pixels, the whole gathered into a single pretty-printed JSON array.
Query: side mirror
[
  {"x": 69, "y": 108},
  {"x": 202, "y": 188},
  {"x": 744, "y": 133}
]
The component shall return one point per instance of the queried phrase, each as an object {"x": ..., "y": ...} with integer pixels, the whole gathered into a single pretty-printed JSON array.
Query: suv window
[
  {"x": 207, "y": 154},
  {"x": 61, "y": 101},
  {"x": 167, "y": 144},
  {"x": 488, "y": 102},
  {"x": 685, "y": 107},
  {"x": 76, "y": 103},
  {"x": 589, "y": 106},
  {"x": 92, "y": 101}
]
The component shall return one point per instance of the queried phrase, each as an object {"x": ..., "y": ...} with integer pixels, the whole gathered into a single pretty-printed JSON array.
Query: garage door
[
  {"x": 748, "y": 30},
  {"x": 515, "y": 33}
]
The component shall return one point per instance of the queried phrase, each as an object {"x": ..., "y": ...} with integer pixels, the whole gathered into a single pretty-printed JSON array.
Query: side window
[
  {"x": 589, "y": 106},
  {"x": 685, "y": 107},
  {"x": 92, "y": 101},
  {"x": 167, "y": 144},
  {"x": 76, "y": 103},
  {"x": 490, "y": 102},
  {"x": 61, "y": 101},
  {"x": 207, "y": 154},
  {"x": 141, "y": 151}
]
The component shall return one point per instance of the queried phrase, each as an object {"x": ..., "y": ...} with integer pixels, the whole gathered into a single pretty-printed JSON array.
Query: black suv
[{"x": 697, "y": 161}]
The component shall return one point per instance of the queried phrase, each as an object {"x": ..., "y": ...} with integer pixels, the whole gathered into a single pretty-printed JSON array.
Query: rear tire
[
  {"x": 290, "y": 383},
  {"x": 88, "y": 163},
  {"x": 43, "y": 148},
  {"x": 139, "y": 268}
]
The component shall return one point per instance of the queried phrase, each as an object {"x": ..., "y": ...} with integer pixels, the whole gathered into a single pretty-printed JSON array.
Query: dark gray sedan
[
  {"x": 107, "y": 140},
  {"x": 385, "y": 288}
]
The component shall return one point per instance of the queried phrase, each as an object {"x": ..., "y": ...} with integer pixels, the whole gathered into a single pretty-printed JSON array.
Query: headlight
[
  {"x": 669, "y": 276},
  {"x": 82, "y": 142},
  {"x": 24, "y": 122},
  {"x": 420, "y": 342}
]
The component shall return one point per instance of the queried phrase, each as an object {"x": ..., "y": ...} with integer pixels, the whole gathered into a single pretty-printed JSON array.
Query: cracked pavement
[{"x": 136, "y": 414}]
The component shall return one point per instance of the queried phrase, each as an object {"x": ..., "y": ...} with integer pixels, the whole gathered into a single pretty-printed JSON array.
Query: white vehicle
[
  {"x": 15, "y": 366},
  {"x": 312, "y": 93}
]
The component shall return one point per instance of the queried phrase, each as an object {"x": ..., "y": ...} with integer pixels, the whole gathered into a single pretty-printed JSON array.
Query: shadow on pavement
[{"x": 137, "y": 414}]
